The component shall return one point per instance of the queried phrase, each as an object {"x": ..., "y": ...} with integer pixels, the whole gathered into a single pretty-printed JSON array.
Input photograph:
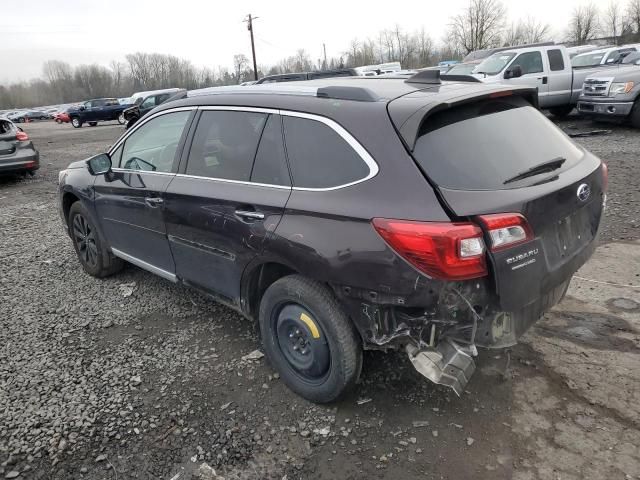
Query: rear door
[
  {"x": 228, "y": 197},
  {"x": 130, "y": 201},
  {"x": 559, "y": 79},
  {"x": 489, "y": 157}
]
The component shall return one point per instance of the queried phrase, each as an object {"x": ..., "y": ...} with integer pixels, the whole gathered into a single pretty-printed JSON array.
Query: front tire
[
  {"x": 75, "y": 121},
  {"x": 634, "y": 116},
  {"x": 309, "y": 339},
  {"x": 90, "y": 247},
  {"x": 561, "y": 112},
  {"x": 121, "y": 119}
]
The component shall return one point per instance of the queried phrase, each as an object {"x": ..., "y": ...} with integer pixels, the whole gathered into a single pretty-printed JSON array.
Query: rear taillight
[
  {"x": 22, "y": 136},
  {"x": 506, "y": 229},
  {"x": 605, "y": 177},
  {"x": 448, "y": 251}
]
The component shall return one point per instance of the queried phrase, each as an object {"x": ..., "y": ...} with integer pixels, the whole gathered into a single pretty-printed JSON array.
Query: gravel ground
[{"x": 134, "y": 377}]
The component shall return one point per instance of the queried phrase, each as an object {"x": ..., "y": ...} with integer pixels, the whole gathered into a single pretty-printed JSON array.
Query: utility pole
[
  {"x": 249, "y": 21},
  {"x": 324, "y": 48}
]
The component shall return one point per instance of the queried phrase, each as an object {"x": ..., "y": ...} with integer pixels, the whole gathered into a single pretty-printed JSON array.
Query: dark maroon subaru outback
[{"x": 345, "y": 214}]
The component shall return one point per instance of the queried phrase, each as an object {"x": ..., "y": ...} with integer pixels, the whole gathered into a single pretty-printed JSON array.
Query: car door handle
[
  {"x": 153, "y": 202},
  {"x": 250, "y": 214}
]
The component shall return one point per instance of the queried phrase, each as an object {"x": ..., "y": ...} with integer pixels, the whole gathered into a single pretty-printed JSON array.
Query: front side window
[
  {"x": 153, "y": 146},
  {"x": 319, "y": 157},
  {"x": 530, "y": 62},
  {"x": 224, "y": 144}
]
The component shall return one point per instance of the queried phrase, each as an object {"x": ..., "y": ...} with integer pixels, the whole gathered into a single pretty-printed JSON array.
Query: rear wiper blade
[{"x": 545, "y": 167}]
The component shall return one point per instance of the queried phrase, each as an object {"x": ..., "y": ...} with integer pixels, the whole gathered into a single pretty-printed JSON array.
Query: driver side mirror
[
  {"x": 82, "y": 107},
  {"x": 513, "y": 72},
  {"x": 99, "y": 165}
]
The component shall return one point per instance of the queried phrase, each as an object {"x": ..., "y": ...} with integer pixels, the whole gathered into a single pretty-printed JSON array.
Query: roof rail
[
  {"x": 431, "y": 77},
  {"x": 336, "y": 92},
  {"x": 460, "y": 78}
]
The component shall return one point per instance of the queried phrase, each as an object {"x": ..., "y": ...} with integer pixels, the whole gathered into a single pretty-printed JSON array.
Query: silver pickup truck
[
  {"x": 614, "y": 93},
  {"x": 546, "y": 67}
]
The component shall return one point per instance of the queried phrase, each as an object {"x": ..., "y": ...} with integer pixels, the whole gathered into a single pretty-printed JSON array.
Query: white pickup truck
[{"x": 546, "y": 67}]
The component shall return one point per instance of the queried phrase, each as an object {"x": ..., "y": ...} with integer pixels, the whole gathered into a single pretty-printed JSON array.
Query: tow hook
[{"x": 447, "y": 364}]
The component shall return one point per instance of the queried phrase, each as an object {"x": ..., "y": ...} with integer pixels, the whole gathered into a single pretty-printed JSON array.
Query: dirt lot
[{"x": 134, "y": 377}]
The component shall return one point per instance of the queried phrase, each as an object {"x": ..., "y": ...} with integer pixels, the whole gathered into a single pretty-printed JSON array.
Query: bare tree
[
  {"x": 240, "y": 62},
  {"x": 424, "y": 54},
  {"x": 613, "y": 20},
  {"x": 584, "y": 23},
  {"x": 534, "y": 31},
  {"x": 479, "y": 26},
  {"x": 633, "y": 15}
]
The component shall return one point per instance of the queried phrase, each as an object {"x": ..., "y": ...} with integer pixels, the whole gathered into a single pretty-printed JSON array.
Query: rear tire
[
  {"x": 309, "y": 339},
  {"x": 93, "y": 124},
  {"x": 75, "y": 121},
  {"x": 58, "y": 121},
  {"x": 121, "y": 119},
  {"x": 561, "y": 112},
  {"x": 90, "y": 247},
  {"x": 634, "y": 116}
]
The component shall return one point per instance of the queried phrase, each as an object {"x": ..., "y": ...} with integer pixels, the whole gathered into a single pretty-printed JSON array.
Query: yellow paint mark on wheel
[{"x": 315, "y": 333}]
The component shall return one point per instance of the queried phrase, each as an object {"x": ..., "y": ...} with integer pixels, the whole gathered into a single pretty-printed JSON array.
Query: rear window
[{"x": 481, "y": 145}]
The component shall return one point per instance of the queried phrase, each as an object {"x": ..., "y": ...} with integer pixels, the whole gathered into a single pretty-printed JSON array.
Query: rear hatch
[{"x": 501, "y": 155}]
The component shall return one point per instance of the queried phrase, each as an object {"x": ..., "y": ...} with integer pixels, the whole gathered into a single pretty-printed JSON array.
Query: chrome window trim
[
  {"x": 133, "y": 171},
  {"x": 335, "y": 126}
]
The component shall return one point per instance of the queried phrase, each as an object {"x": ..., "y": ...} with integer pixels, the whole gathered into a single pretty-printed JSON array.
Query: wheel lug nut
[
  {"x": 291, "y": 335},
  {"x": 297, "y": 332},
  {"x": 295, "y": 347}
]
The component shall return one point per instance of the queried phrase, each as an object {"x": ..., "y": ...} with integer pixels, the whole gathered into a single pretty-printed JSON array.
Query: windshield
[
  {"x": 587, "y": 59},
  {"x": 495, "y": 63},
  {"x": 462, "y": 69},
  {"x": 479, "y": 146}
]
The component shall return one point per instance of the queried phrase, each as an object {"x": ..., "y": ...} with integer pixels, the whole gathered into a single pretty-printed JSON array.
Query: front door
[
  {"x": 130, "y": 200},
  {"x": 533, "y": 74},
  {"x": 228, "y": 199}
]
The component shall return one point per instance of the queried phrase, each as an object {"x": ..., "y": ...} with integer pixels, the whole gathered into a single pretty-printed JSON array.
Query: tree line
[{"x": 481, "y": 24}]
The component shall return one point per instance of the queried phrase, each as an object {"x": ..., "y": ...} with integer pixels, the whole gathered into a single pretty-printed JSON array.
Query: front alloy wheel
[
  {"x": 85, "y": 239},
  {"x": 75, "y": 121}
]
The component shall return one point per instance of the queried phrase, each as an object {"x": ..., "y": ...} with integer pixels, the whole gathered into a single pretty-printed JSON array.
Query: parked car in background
[
  {"x": 603, "y": 56},
  {"x": 289, "y": 203},
  {"x": 97, "y": 110},
  {"x": 17, "y": 152},
  {"x": 137, "y": 97},
  {"x": 613, "y": 93},
  {"x": 577, "y": 50},
  {"x": 295, "y": 77},
  {"x": 378, "y": 69},
  {"x": 28, "y": 116},
  {"x": 134, "y": 113},
  {"x": 547, "y": 68},
  {"x": 62, "y": 116}
]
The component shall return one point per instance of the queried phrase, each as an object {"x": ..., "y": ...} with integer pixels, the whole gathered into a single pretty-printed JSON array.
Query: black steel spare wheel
[
  {"x": 302, "y": 342},
  {"x": 309, "y": 339},
  {"x": 85, "y": 238}
]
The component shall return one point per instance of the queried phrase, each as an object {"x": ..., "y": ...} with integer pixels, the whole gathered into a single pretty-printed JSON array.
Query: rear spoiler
[{"x": 408, "y": 113}]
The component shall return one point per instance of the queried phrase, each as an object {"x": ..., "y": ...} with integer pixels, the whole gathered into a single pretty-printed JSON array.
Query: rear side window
[
  {"x": 319, "y": 157},
  {"x": 270, "y": 165},
  {"x": 482, "y": 145},
  {"x": 556, "y": 62},
  {"x": 225, "y": 144}
]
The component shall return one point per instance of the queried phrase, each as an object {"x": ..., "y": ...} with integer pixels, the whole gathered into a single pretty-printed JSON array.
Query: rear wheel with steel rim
[
  {"x": 75, "y": 121},
  {"x": 309, "y": 339},
  {"x": 89, "y": 245}
]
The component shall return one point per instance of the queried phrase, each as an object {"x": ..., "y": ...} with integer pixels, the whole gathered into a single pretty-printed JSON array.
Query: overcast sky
[{"x": 210, "y": 32}]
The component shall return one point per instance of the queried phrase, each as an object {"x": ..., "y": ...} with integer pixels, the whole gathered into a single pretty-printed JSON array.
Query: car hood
[
  {"x": 77, "y": 164},
  {"x": 622, "y": 74}
]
